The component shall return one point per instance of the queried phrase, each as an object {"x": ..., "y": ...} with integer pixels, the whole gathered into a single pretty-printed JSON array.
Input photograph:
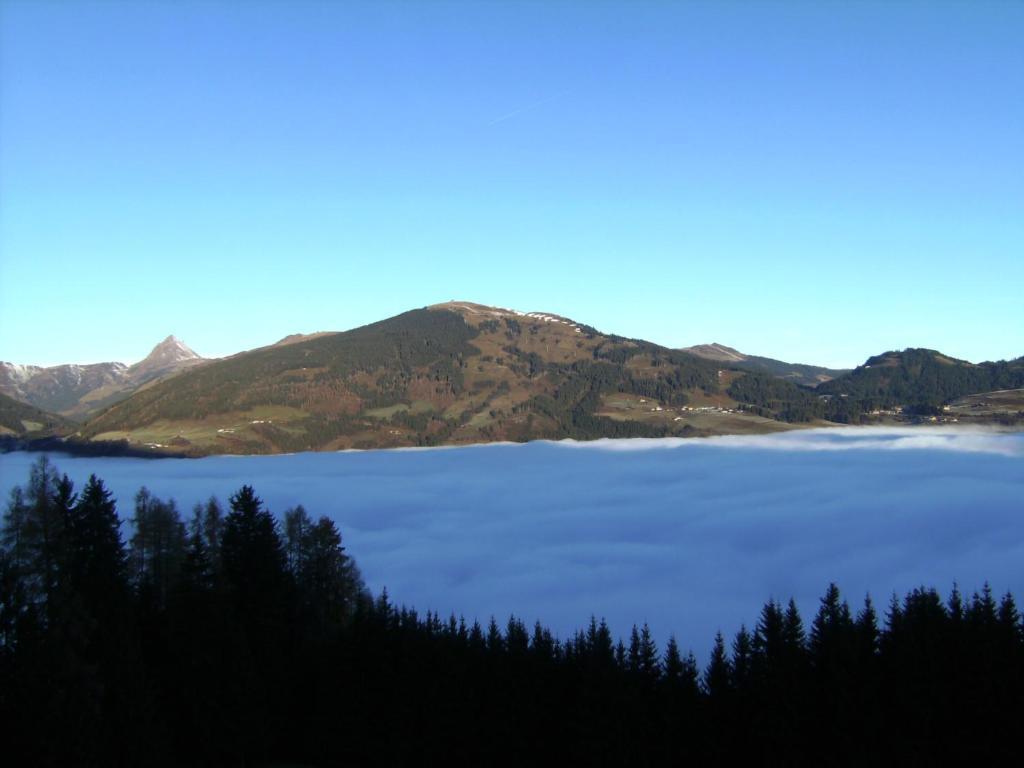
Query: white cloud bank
[
  {"x": 690, "y": 535},
  {"x": 961, "y": 439}
]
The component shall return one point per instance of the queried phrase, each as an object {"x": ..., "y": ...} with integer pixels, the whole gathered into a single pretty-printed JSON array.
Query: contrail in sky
[{"x": 522, "y": 109}]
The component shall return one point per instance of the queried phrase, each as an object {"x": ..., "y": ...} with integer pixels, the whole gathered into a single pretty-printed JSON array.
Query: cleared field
[
  {"x": 216, "y": 432},
  {"x": 387, "y": 412},
  {"x": 998, "y": 403},
  {"x": 719, "y": 418}
]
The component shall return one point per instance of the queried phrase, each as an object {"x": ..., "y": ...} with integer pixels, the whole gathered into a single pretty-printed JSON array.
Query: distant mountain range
[
  {"x": 78, "y": 391},
  {"x": 461, "y": 372},
  {"x": 798, "y": 373}
]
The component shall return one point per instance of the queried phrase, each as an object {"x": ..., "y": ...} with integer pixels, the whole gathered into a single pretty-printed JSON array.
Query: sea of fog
[{"x": 691, "y": 536}]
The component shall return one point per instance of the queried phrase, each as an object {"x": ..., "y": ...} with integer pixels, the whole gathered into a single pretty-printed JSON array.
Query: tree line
[{"x": 234, "y": 637}]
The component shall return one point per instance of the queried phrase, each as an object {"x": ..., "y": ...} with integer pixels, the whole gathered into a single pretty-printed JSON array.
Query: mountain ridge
[
  {"x": 456, "y": 373},
  {"x": 798, "y": 373},
  {"x": 459, "y": 372},
  {"x": 78, "y": 391}
]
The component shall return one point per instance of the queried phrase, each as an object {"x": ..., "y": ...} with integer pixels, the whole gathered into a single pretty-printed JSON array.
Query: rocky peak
[{"x": 169, "y": 354}]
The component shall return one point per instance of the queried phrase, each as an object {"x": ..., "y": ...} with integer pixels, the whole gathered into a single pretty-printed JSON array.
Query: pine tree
[
  {"x": 1008, "y": 621},
  {"x": 793, "y": 636},
  {"x": 328, "y": 580},
  {"x": 955, "y": 606},
  {"x": 251, "y": 551},
  {"x": 894, "y": 619},
  {"x": 197, "y": 570},
  {"x": 157, "y": 548},
  {"x": 213, "y": 529},
  {"x": 48, "y": 499},
  {"x": 643, "y": 655},
  {"x": 99, "y": 559},
  {"x": 867, "y": 630},
  {"x": 258, "y": 589},
  {"x": 650, "y": 668},
  {"x": 517, "y": 639},
  {"x": 620, "y": 656},
  {"x": 542, "y": 644},
  {"x": 768, "y": 643},
  {"x": 691, "y": 675},
  {"x": 981, "y": 614},
  {"x": 742, "y": 658},
  {"x": 718, "y": 674},
  {"x": 477, "y": 641},
  {"x": 297, "y": 524},
  {"x": 16, "y": 539},
  {"x": 672, "y": 664},
  {"x": 831, "y": 630},
  {"x": 495, "y": 642}
]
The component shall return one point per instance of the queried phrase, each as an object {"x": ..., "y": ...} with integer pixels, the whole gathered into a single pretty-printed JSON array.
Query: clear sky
[{"x": 816, "y": 182}]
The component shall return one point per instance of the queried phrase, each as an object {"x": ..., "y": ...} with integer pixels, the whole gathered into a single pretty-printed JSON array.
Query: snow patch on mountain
[
  {"x": 716, "y": 351},
  {"x": 481, "y": 309}
]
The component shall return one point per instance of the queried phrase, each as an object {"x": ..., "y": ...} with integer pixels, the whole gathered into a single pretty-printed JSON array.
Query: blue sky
[{"x": 817, "y": 182}]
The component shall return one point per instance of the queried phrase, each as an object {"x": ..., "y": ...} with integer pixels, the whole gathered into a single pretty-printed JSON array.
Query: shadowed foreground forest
[{"x": 228, "y": 636}]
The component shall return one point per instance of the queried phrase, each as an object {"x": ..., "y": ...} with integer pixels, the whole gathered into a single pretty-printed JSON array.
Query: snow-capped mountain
[{"x": 78, "y": 391}]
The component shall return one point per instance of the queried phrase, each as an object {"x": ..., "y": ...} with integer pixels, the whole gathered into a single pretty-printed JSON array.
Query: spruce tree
[
  {"x": 98, "y": 555},
  {"x": 1008, "y": 623},
  {"x": 768, "y": 643},
  {"x": 328, "y": 580},
  {"x": 197, "y": 570},
  {"x": 213, "y": 529},
  {"x": 831, "y": 630},
  {"x": 742, "y": 658},
  {"x": 718, "y": 674},
  {"x": 495, "y": 642},
  {"x": 649, "y": 666},
  {"x": 793, "y": 636},
  {"x": 867, "y": 631},
  {"x": 251, "y": 552},
  {"x": 672, "y": 664}
]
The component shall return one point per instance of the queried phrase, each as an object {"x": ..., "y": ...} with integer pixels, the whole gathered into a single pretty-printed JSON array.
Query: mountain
[
  {"x": 78, "y": 391},
  {"x": 65, "y": 389},
  {"x": 920, "y": 381},
  {"x": 798, "y": 373},
  {"x": 459, "y": 373},
  {"x": 451, "y": 373},
  {"x": 169, "y": 356},
  {"x": 21, "y": 419}
]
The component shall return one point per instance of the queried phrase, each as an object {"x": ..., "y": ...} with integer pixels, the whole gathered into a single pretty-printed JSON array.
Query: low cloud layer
[{"x": 690, "y": 535}]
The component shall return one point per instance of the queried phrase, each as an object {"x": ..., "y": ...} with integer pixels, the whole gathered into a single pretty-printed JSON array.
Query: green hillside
[{"x": 21, "y": 419}]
